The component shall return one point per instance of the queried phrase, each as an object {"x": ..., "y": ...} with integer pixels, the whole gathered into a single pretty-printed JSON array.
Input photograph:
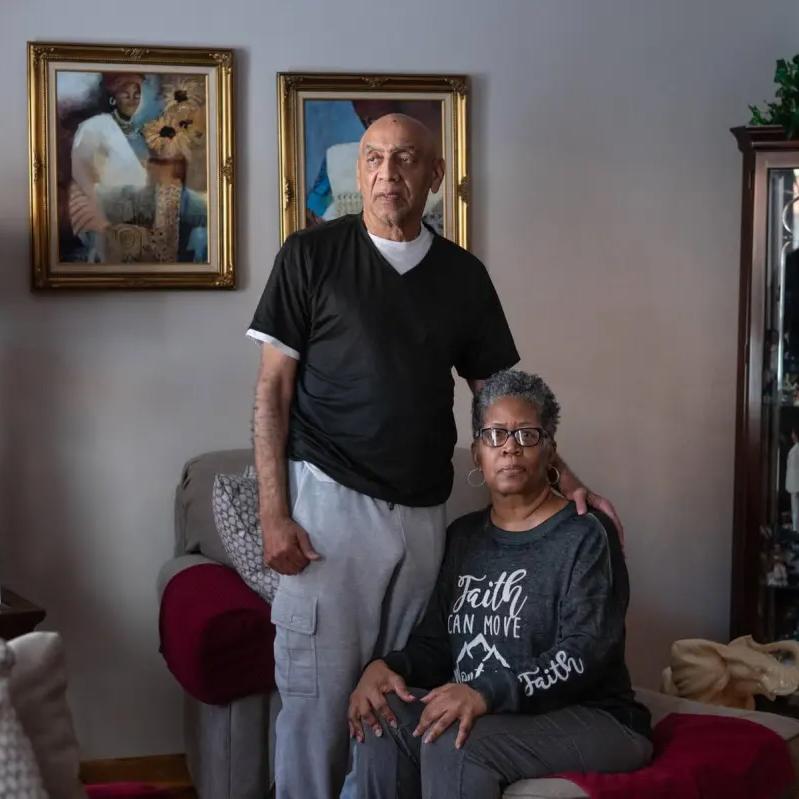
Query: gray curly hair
[{"x": 515, "y": 383}]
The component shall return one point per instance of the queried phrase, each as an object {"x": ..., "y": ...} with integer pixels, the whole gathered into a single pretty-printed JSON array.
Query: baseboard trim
[{"x": 154, "y": 768}]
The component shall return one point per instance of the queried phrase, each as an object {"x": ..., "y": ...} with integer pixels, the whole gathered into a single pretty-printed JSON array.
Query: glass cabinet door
[{"x": 780, "y": 407}]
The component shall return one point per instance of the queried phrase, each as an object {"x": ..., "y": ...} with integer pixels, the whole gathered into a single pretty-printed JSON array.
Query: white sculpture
[{"x": 731, "y": 674}]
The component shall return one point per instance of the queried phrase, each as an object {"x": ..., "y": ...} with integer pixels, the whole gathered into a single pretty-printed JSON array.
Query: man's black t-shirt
[{"x": 373, "y": 400}]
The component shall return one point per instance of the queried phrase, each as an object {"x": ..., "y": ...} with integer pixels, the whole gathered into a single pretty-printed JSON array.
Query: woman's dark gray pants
[{"x": 500, "y": 750}]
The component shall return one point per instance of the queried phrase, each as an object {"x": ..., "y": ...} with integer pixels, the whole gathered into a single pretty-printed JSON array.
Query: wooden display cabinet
[{"x": 765, "y": 562}]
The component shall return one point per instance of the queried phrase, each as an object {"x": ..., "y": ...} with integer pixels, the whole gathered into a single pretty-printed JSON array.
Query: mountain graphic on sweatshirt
[{"x": 473, "y": 657}]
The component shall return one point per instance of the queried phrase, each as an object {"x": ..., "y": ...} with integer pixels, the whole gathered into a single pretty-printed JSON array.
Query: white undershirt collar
[{"x": 404, "y": 255}]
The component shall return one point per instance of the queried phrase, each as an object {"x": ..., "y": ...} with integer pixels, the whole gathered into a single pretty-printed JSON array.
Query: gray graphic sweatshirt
[{"x": 532, "y": 620}]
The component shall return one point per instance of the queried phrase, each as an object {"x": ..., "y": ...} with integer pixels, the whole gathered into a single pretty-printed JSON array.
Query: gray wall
[{"x": 606, "y": 206}]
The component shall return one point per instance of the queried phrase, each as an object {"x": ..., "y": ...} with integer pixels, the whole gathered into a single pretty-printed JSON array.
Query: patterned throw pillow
[
  {"x": 235, "y": 505},
  {"x": 39, "y": 695},
  {"x": 19, "y": 772}
]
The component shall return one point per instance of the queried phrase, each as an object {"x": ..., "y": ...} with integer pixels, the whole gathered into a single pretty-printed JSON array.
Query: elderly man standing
[{"x": 363, "y": 319}]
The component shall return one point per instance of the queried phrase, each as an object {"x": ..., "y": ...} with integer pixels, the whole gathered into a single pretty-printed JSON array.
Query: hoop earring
[
  {"x": 469, "y": 478},
  {"x": 553, "y": 481},
  {"x": 112, "y": 101}
]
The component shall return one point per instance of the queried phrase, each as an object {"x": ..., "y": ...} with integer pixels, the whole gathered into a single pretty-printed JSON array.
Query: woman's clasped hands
[{"x": 445, "y": 705}]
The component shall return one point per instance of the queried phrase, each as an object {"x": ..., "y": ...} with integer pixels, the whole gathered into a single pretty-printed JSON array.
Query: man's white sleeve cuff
[{"x": 264, "y": 338}]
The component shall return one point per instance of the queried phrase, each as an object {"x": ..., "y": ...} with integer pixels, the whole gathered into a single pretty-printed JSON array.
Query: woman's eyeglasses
[{"x": 525, "y": 436}]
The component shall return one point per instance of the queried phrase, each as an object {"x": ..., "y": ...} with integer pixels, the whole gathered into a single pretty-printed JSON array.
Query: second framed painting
[{"x": 321, "y": 118}]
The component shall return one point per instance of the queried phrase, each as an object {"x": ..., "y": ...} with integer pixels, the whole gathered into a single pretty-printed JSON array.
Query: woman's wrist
[{"x": 481, "y": 701}]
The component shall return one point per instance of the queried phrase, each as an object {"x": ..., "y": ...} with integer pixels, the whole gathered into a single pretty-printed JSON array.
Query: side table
[{"x": 17, "y": 615}]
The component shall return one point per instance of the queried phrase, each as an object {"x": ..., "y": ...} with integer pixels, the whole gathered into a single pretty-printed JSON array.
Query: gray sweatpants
[
  {"x": 378, "y": 567},
  {"x": 500, "y": 750}
]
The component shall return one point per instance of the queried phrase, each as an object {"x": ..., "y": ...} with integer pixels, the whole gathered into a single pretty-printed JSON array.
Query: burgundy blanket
[{"x": 701, "y": 757}]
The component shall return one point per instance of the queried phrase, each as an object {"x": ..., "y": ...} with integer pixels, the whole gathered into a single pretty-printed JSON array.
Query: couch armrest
[
  {"x": 175, "y": 566},
  {"x": 216, "y": 634}
]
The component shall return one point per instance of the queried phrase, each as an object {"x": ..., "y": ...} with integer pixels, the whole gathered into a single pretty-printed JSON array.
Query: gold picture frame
[
  {"x": 320, "y": 119},
  {"x": 131, "y": 167}
]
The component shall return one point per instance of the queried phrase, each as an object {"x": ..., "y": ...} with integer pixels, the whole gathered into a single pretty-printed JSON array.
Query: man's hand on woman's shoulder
[
  {"x": 574, "y": 489},
  {"x": 583, "y": 498}
]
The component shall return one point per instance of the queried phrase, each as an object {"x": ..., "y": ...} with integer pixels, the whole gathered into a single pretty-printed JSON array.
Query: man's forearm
[
  {"x": 476, "y": 385},
  {"x": 270, "y": 433},
  {"x": 568, "y": 482},
  {"x": 269, "y": 442}
]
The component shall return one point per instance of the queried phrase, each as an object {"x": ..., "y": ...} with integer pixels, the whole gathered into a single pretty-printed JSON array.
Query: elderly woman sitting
[{"x": 521, "y": 651}]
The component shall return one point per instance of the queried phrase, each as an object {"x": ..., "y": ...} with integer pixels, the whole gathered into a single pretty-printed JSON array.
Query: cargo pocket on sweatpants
[{"x": 294, "y": 618}]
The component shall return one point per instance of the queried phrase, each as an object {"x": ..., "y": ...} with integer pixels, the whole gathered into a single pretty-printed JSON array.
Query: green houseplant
[{"x": 785, "y": 111}]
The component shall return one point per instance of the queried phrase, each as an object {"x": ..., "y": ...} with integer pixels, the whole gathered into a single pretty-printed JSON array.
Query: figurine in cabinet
[
  {"x": 777, "y": 576},
  {"x": 792, "y": 478}
]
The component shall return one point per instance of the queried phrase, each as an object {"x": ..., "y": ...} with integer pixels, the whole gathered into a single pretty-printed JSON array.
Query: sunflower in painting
[
  {"x": 182, "y": 93},
  {"x": 166, "y": 138}
]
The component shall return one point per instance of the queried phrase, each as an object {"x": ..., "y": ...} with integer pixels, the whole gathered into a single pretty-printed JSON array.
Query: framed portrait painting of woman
[
  {"x": 131, "y": 166},
  {"x": 321, "y": 118}
]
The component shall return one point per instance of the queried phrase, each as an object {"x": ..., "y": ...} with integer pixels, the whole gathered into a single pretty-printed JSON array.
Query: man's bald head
[
  {"x": 398, "y": 165},
  {"x": 406, "y": 128}
]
